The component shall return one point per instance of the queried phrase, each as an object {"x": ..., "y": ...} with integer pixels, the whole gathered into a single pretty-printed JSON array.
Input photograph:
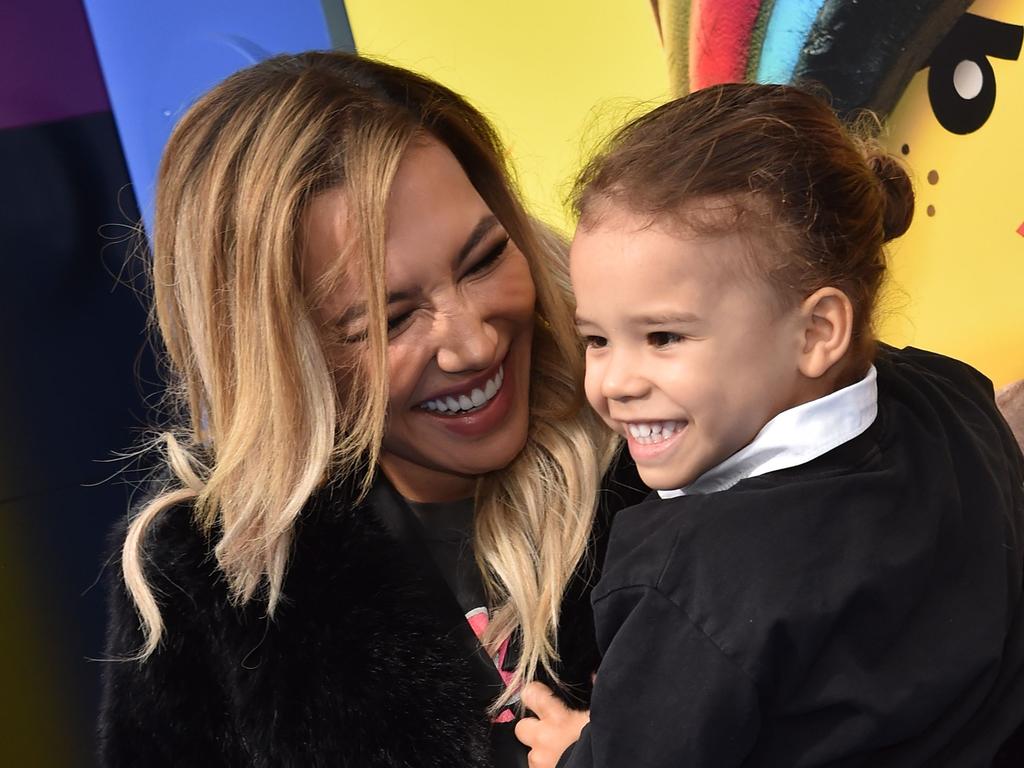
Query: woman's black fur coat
[{"x": 367, "y": 662}]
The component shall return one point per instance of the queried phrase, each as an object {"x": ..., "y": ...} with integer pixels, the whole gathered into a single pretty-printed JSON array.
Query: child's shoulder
[
  {"x": 765, "y": 529},
  {"x": 930, "y": 399},
  {"x": 914, "y": 376}
]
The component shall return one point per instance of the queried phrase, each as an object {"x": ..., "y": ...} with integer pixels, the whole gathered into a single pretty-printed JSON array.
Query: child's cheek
[{"x": 592, "y": 388}]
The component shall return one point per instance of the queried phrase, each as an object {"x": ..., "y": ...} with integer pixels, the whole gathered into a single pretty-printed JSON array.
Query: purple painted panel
[{"x": 48, "y": 65}]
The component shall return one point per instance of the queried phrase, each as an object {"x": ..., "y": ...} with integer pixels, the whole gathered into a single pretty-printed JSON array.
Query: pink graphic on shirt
[{"x": 478, "y": 620}]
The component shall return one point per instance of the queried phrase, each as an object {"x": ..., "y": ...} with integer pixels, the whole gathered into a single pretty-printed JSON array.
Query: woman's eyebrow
[{"x": 485, "y": 225}]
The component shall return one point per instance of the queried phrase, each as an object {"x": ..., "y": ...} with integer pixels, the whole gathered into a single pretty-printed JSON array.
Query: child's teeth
[{"x": 649, "y": 432}]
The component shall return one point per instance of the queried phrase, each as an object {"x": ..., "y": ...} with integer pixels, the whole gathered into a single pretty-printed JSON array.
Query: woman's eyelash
[
  {"x": 393, "y": 324},
  {"x": 490, "y": 257},
  {"x": 594, "y": 341},
  {"x": 398, "y": 321}
]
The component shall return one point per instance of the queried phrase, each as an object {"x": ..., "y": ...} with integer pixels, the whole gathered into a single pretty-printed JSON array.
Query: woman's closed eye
[
  {"x": 397, "y": 323},
  {"x": 490, "y": 258},
  {"x": 594, "y": 342}
]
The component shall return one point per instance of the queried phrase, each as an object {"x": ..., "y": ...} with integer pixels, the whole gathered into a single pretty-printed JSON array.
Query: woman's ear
[{"x": 827, "y": 327}]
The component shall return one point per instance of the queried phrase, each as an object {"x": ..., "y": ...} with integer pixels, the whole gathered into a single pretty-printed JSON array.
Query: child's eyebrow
[{"x": 667, "y": 318}]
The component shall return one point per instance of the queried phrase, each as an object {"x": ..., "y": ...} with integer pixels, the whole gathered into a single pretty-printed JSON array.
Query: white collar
[{"x": 794, "y": 437}]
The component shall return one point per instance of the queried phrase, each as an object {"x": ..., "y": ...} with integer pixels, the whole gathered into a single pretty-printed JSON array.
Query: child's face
[{"x": 687, "y": 358}]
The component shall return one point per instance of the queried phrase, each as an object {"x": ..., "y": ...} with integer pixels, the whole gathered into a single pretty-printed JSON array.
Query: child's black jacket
[{"x": 862, "y": 609}]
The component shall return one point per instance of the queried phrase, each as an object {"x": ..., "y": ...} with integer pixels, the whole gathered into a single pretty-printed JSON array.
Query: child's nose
[{"x": 622, "y": 378}]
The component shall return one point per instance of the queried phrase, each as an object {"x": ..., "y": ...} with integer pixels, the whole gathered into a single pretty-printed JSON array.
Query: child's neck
[{"x": 839, "y": 376}]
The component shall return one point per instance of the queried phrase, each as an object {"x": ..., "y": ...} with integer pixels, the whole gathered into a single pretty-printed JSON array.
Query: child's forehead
[
  {"x": 713, "y": 226},
  {"x": 702, "y": 246},
  {"x": 704, "y": 217}
]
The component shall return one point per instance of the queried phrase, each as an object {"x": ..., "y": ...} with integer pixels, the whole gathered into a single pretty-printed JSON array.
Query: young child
[{"x": 831, "y": 572}]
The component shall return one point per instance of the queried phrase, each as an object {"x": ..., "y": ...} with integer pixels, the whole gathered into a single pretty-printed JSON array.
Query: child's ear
[{"x": 827, "y": 327}]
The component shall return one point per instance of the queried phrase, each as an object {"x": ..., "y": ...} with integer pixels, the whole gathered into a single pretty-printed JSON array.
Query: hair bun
[{"x": 898, "y": 194}]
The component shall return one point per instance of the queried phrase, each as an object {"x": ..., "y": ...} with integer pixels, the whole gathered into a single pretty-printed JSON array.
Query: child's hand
[{"x": 553, "y": 730}]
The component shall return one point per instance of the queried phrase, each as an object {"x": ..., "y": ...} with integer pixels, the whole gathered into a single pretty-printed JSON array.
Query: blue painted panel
[
  {"x": 784, "y": 37},
  {"x": 158, "y": 56}
]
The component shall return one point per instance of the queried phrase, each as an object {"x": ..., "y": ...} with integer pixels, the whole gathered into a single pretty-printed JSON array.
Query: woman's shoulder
[{"x": 177, "y": 553}]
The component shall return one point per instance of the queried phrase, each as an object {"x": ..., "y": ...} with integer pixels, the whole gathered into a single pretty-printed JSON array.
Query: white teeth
[
  {"x": 476, "y": 398},
  {"x": 650, "y": 432}
]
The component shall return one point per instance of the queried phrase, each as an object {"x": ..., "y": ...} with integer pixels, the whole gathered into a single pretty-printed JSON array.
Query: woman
[{"x": 376, "y": 369}]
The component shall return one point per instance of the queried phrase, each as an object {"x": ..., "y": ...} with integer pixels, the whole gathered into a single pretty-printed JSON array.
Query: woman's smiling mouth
[
  {"x": 477, "y": 408},
  {"x": 471, "y": 399}
]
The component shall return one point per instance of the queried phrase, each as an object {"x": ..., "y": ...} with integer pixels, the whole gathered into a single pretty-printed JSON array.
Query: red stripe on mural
[{"x": 720, "y": 32}]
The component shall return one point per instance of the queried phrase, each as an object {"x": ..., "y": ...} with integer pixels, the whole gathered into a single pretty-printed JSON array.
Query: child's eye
[
  {"x": 489, "y": 258},
  {"x": 594, "y": 342},
  {"x": 663, "y": 338}
]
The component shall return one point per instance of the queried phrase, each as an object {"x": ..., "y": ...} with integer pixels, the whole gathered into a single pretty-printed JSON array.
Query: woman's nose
[{"x": 466, "y": 340}]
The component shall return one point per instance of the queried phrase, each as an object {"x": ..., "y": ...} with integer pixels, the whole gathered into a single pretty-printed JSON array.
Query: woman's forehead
[{"x": 432, "y": 203}]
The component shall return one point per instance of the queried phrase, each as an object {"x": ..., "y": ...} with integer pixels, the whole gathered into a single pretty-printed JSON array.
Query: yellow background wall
[{"x": 551, "y": 75}]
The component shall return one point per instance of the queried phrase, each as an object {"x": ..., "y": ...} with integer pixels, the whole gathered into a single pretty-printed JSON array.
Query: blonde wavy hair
[{"x": 264, "y": 421}]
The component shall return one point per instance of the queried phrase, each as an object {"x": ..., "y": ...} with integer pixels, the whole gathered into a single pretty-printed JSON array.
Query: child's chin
[{"x": 663, "y": 478}]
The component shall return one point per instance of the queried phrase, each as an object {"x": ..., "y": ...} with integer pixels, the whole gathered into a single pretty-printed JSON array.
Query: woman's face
[{"x": 460, "y": 320}]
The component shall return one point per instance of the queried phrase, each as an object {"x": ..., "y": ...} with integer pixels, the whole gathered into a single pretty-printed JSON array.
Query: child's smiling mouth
[
  {"x": 648, "y": 440},
  {"x": 653, "y": 432}
]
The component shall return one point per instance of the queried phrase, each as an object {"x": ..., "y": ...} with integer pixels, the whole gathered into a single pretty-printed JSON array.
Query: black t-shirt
[{"x": 448, "y": 534}]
